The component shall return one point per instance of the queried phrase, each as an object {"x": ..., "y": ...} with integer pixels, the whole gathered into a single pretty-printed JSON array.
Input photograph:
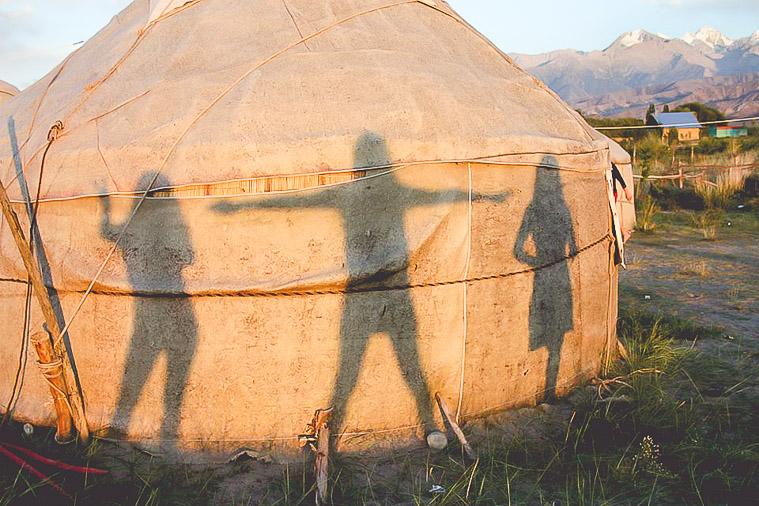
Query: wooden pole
[
  {"x": 317, "y": 439},
  {"x": 321, "y": 465},
  {"x": 455, "y": 427},
  {"x": 52, "y": 369},
  {"x": 71, "y": 390}
]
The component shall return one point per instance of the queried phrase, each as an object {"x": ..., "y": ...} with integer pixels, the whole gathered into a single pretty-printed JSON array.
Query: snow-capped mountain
[
  {"x": 631, "y": 39},
  {"x": 710, "y": 37},
  {"x": 641, "y": 60}
]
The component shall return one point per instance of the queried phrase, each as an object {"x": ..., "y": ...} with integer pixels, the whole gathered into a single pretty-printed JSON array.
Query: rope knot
[{"x": 54, "y": 131}]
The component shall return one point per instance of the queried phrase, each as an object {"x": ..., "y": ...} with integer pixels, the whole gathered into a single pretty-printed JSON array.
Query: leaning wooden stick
[
  {"x": 52, "y": 369},
  {"x": 455, "y": 427},
  {"x": 71, "y": 390},
  {"x": 321, "y": 465},
  {"x": 317, "y": 439}
]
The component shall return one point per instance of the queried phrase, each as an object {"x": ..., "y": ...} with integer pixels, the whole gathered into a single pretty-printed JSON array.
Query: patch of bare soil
[{"x": 714, "y": 283}]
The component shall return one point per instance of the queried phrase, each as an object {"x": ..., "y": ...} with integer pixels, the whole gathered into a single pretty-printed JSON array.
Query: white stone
[{"x": 437, "y": 440}]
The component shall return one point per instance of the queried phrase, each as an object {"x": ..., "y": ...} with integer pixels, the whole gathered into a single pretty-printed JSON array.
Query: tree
[
  {"x": 672, "y": 137},
  {"x": 703, "y": 112},
  {"x": 632, "y": 133},
  {"x": 650, "y": 115},
  {"x": 666, "y": 108}
]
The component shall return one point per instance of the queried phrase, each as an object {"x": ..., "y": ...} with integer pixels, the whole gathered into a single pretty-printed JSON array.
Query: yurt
[
  {"x": 625, "y": 208},
  {"x": 251, "y": 210},
  {"x": 7, "y": 91}
]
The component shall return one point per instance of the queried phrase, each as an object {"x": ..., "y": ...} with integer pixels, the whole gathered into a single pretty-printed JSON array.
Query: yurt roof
[
  {"x": 618, "y": 154},
  {"x": 7, "y": 91},
  {"x": 206, "y": 91}
]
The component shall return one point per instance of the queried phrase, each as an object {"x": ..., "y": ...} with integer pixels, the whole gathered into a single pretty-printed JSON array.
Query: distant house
[
  {"x": 685, "y": 123},
  {"x": 727, "y": 131}
]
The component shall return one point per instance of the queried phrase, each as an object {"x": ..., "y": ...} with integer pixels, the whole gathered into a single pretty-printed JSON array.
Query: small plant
[
  {"x": 699, "y": 268},
  {"x": 648, "y": 459},
  {"x": 708, "y": 223},
  {"x": 646, "y": 213}
]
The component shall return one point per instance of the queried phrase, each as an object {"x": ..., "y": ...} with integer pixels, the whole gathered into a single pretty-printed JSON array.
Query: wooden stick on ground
[
  {"x": 321, "y": 465},
  {"x": 455, "y": 427},
  {"x": 71, "y": 390},
  {"x": 52, "y": 369}
]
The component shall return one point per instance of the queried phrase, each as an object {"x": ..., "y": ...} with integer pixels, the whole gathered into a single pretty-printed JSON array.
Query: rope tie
[
  {"x": 55, "y": 131},
  {"x": 52, "y": 371}
]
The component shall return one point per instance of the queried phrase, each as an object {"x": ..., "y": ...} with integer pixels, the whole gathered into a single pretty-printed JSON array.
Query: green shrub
[
  {"x": 652, "y": 151},
  {"x": 634, "y": 133},
  {"x": 750, "y": 143},
  {"x": 671, "y": 198},
  {"x": 720, "y": 194},
  {"x": 703, "y": 112},
  {"x": 712, "y": 146},
  {"x": 751, "y": 186}
]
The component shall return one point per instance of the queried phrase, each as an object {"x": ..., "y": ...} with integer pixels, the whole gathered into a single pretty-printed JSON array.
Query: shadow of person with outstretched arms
[
  {"x": 156, "y": 248},
  {"x": 377, "y": 254},
  {"x": 547, "y": 236}
]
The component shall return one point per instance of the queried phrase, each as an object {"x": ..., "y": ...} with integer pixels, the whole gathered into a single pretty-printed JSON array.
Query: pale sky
[{"x": 37, "y": 34}]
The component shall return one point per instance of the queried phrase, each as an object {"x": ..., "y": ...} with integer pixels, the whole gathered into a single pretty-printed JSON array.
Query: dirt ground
[{"x": 714, "y": 283}]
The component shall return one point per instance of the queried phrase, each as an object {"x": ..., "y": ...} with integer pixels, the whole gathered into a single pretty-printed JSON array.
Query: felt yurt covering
[
  {"x": 356, "y": 204},
  {"x": 7, "y": 91}
]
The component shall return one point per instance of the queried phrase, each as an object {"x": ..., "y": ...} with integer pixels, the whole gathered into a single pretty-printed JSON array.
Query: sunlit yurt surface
[
  {"x": 300, "y": 205},
  {"x": 7, "y": 91}
]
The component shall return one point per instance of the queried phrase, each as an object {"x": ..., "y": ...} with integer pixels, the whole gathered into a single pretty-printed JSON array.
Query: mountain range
[{"x": 640, "y": 68}]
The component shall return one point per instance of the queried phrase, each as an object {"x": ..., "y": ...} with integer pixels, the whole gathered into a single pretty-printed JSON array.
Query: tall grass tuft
[
  {"x": 647, "y": 211},
  {"x": 719, "y": 194},
  {"x": 708, "y": 222}
]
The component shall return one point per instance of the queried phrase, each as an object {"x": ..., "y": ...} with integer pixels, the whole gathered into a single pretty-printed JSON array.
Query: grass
[
  {"x": 669, "y": 425},
  {"x": 650, "y": 433},
  {"x": 697, "y": 224},
  {"x": 638, "y": 310},
  {"x": 135, "y": 479},
  {"x": 709, "y": 222},
  {"x": 647, "y": 211},
  {"x": 718, "y": 195}
]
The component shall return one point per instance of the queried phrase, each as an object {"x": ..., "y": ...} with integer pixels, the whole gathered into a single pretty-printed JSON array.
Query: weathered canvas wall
[
  {"x": 358, "y": 204},
  {"x": 243, "y": 301}
]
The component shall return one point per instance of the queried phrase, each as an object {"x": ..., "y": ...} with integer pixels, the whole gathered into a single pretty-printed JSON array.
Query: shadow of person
[
  {"x": 156, "y": 248},
  {"x": 377, "y": 254},
  {"x": 545, "y": 236}
]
